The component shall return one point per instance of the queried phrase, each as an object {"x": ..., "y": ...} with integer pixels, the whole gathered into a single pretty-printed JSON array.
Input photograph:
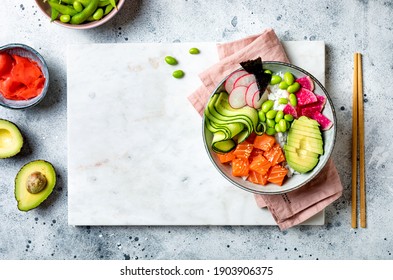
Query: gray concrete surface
[{"x": 345, "y": 26}]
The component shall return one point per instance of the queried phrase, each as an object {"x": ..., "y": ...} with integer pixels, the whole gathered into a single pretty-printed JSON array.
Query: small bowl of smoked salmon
[{"x": 24, "y": 76}]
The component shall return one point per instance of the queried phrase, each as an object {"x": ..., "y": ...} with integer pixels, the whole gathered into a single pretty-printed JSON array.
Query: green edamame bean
[
  {"x": 65, "y": 18},
  {"x": 86, "y": 13},
  {"x": 279, "y": 116},
  {"x": 270, "y": 131},
  {"x": 62, "y": 9},
  {"x": 178, "y": 74},
  {"x": 288, "y": 117},
  {"x": 283, "y": 125},
  {"x": 170, "y": 60},
  {"x": 98, "y": 14},
  {"x": 271, "y": 114},
  {"x": 282, "y": 100},
  {"x": 78, "y": 6},
  {"x": 262, "y": 116},
  {"x": 267, "y": 105},
  {"x": 267, "y": 71},
  {"x": 283, "y": 85},
  {"x": 194, "y": 51},
  {"x": 270, "y": 123},
  {"x": 294, "y": 87},
  {"x": 288, "y": 124},
  {"x": 275, "y": 80},
  {"x": 108, "y": 9},
  {"x": 277, "y": 128},
  {"x": 289, "y": 78},
  {"x": 292, "y": 99}
]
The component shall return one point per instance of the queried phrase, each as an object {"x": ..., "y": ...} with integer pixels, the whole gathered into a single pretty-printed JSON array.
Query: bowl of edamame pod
[
  {"x": 80, "y": 14},
  {"x": 269, "y": 137}
]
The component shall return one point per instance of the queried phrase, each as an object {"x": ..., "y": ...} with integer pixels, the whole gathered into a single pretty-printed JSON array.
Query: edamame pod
[
  {"x": 267, "y": 71},
  {"x": 277, "y": 128},
  {"x": 65, "y": 18},
  {"x": 63, "y": 9},
  {"x": 86, "y": 13},
  {"x": 108, "y": 9},
  {"x": 98, "y": 14},
  {"x": 77, "y": 6}
]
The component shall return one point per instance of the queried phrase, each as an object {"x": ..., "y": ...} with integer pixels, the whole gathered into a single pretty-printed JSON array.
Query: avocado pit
[{"x": 36, "y": 182}]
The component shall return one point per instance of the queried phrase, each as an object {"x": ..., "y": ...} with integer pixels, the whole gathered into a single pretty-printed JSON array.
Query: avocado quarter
[
  {"x": 34, "y": 183},
  {"x": 304, "y": 145},
  {"x": 11, "y": 140}
]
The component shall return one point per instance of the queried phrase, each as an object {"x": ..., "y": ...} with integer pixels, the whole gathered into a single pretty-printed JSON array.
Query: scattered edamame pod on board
[{"x": 178, "y": 74}]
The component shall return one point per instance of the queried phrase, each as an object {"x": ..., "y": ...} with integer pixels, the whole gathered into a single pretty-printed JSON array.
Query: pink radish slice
[
  {"x": 257, "y": 101},
  {"x": 251, "y": 90},
  {"x": 237, "y": 97},
  {"x": 232, "y": 79},
  {"x": 245, "y": 80}
]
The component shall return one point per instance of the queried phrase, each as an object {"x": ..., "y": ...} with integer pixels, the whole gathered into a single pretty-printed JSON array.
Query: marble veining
[{"x": 135, "y": 150}]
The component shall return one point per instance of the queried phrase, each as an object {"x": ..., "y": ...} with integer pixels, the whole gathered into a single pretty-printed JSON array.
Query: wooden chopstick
[
  {"x": 358, "y": 138},
  {"x": 362, "y": 190},
  {"x": 354, "y": 141}
]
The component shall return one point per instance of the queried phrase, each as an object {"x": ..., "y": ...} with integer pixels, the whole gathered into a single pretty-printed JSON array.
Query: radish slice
[
  {"x": 237, "y": 97},
  {"x": 257, "y": 102},
  {"x": 245, "y": 80},
  {"x": 251, "y": 90},
  {"x": 232, "y": 79}
]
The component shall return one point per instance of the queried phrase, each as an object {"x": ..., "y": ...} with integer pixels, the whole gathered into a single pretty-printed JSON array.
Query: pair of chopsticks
[{"x": 358, "y": 144}]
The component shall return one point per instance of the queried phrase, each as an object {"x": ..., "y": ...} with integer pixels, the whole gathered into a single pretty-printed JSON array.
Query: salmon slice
[
  {"x": 277, "y": 175},
  {"x": 260, "y": 164},
  {"x": 264, "y": 142},
  {"x": 243, "y": 150},
  {"x": 257, "y": 178},
  {"x": 227, "y": 157},
  {"x": 275, "y": 155},
  {"x": 240, "y": 167}
]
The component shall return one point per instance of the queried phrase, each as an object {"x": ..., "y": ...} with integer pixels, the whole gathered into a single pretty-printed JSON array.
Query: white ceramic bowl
[
  {"x": 297, "y": 180},
  {"x": 26, "y": 51},
  {"x": 45, "y": 8}
]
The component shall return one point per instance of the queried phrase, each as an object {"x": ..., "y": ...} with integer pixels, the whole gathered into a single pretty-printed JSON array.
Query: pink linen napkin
[{"x": 295, "y": 207}]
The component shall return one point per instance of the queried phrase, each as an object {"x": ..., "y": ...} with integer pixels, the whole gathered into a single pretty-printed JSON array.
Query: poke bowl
[{"x": 269, "y": 137}]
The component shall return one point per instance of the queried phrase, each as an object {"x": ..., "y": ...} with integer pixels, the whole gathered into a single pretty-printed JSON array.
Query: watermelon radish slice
[
  {"x": 308, "y": 110},
  {"x": 305, "y": 96},
  {"x": 289, "y": 109},
  {"x": 232, "y": 79},
  {"x": 237, "y": 97},
  {"x": 306, "y": 82},
  {"x": 323, "y": 121},
  {"x": 251, "y": 90},
  {"x": 258, "y": 101},
  {"x": 245, "y": 80}
]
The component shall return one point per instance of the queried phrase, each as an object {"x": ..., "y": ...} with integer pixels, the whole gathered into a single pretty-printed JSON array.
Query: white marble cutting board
[{"x": 135, "y": 150}]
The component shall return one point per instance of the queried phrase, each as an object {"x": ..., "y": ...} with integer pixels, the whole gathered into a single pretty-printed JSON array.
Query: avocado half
[
  {"x": 34, "y": 183},
  {"x": 11, "y": 140}
]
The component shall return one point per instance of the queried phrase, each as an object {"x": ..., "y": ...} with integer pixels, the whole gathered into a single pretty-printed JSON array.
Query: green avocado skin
[
  {"x": 11, "y": 139},
  {"x": 304, "y": 145},
  {"x": 27, "y": 201}
]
